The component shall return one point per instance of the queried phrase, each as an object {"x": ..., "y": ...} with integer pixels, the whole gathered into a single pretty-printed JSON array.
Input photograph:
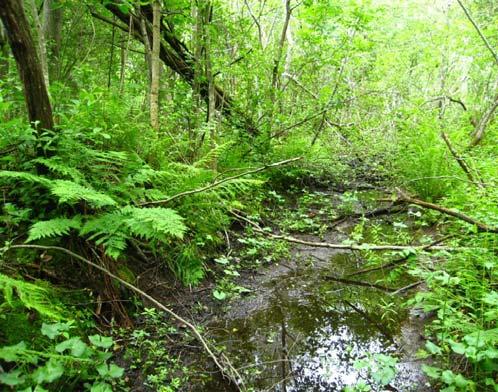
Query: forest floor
[{"x": 294, "y": 317}]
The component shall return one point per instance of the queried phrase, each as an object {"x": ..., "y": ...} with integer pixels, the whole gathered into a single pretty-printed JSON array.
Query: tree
[
  {"x": 155, "y": 65},
  {"x": 28, "y": 64}
]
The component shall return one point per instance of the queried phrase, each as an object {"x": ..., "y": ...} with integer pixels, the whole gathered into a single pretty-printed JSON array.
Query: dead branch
[
  {"x": 408, "y": 287},
  {"x": 232, "y": 374},
  {"x": 361, "y": 247},
  {"x": 400, "y": 261},
  {"x": 461, "y": 162},
  {"x": 482, "y": 227},
  {"x": 218, "y": 183}
]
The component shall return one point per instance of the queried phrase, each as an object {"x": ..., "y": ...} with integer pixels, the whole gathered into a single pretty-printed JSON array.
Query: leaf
[
  {"x": 52, "y": 371},
  {"x": 12, "y": 378},
  {"x": 101, "y": 387},
  {"x": 53, "y": 228},
  {"x": 101, "y": 341},
  {"x": 219, "y": 295},
  {"x": 432, "y": 348},
  {"x": 71, "y": 192},
  {"x": 11, "y": 353},
  {"x": 54, "y": 330},
  {"x": 76, "y": 345},
  {"x": 432, "y": 372}
]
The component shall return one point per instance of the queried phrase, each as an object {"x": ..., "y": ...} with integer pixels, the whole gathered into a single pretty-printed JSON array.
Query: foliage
[{"x": 66, "y": 359}]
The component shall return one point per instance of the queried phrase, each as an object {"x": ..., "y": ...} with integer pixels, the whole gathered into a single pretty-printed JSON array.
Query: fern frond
[
  {"x": 53, "y": 228},
  {"x": 56, "y": 165},
  {"x": 32, "y": 296},
  {"x": 108, "y": 230},
  {"x": 154, "y": 223},
  {"x": 71, "y": 192},
  {"x": 24, "y": 176},
  {"x": 213, "y": 155}
]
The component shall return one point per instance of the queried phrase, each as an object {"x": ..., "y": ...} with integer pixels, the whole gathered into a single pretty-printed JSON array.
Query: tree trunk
[
  {"x": 155, "y": 65},
  {"x": 4, "y": 52},
  {"x": 42, "y": 45},
  {"x": 30, "y": 71}
]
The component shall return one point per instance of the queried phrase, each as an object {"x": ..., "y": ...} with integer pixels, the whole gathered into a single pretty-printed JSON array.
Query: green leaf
[
  {"x": 52, "y": 371},
  {"x": 432, "y": 348},
  {"x": 12, "y": 353},
  {"x": 71, "y": 192},
  {"x": 112, "y": 370},
  {"x": 432, "y": 372},
  {"x": 54, "y": 330},
  {"x": 12, "y": 378},
  {"x": 219, "y": 295},
  {"x": 76, "y": 345},
  {"x": 101, "y": 387},
  {"x": 101, "y": 341}
]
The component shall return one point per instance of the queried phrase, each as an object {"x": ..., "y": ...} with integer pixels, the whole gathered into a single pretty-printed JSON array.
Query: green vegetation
[{"x": 177, "y": 145}]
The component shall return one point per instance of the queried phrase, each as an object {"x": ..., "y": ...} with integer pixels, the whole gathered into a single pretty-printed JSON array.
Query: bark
[
  {"x": 175, "y": 55},
  {"x": 124, "y": 58},
  {"x": 280, "y": 48},
  {"x": 4, "y": 52},
  {"x": 30, "y": 71},
  {"x": 42, "y": 45},
  {"x": 155, "y": 65}
]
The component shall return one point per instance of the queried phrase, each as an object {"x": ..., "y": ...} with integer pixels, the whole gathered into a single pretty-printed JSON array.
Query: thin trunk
[
  {"x": 111, "y": 56},
  {"x": 155, "y": 65},
  {"x": 30, "y": 71},
  {"x": 56, "y": 38},
  {"x": 210, "y": 79},
  {"x": 478, "y": 133},
  {"x": 124, "y": 59},
  {"x": 42, "y": 45}
]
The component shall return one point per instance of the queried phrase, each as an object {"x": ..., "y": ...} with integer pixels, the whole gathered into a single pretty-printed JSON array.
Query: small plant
[{"x": 64, "y": 358}]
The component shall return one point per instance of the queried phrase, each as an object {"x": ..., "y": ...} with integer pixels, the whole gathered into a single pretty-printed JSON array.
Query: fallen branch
[
  {"x": 400, "y": 261},
  {"x": 218, "y": 183},
  {"x": 233, "y": 376},
  {"x": 482, "y": 227},
  {"x": 333, "y": 246},
  {"x": 461, "y": 162}
]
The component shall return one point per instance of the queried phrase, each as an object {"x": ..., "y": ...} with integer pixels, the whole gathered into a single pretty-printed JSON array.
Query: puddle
[{"x": 304, "y": 333}]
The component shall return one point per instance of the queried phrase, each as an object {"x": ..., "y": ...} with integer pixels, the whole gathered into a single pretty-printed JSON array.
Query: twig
[
  {"x": 217, "y": 183},
  {"x": 461, "y": 162},
  {"x": 332, "y": 246},
  {"x": 233, "y": 377},
  {"x": 408, "y": 287},
  {"x": 484, "y": 39},
  {"x": 482, "y": 227}
]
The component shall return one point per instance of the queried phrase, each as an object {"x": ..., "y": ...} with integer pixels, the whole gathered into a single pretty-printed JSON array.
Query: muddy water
[{"x": 299, "y": 331}]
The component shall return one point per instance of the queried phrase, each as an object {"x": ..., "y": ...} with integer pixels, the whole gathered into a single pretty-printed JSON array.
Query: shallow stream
[{"x": 300, "y": 331}]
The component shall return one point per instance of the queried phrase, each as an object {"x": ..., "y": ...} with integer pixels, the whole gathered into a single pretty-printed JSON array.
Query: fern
[
  {"x": 24, "y": 176},
  {"x": 57, "y": 165},
  {"x": 213, "y": 155},
  {"x": 70, "y": 192},
  {"x": 154, "y": 223},
  {"x": 108, "y": 230},
  {"x": 32, "y": 296},
  {"x": 53, "y": 228}
]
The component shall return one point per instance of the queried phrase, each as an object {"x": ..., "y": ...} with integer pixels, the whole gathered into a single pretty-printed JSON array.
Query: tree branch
[
  {"x": 217, "y": 183},
  {"x": 482, "y": 227}
]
